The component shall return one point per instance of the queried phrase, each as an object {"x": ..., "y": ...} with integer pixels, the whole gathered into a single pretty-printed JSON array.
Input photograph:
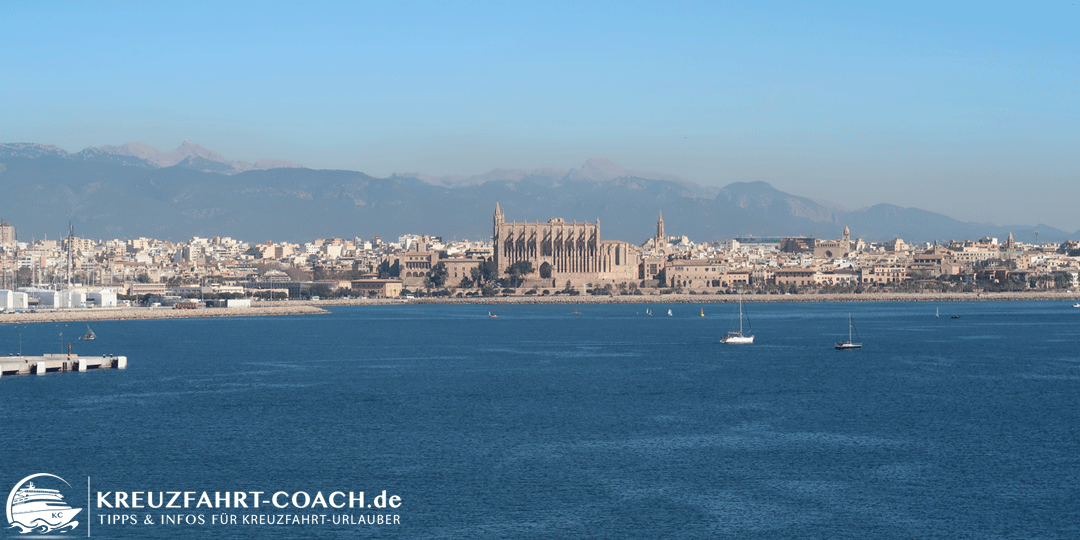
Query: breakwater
[
  {"x": 124, "y": 314},
  {"x": 317, "y": 307},
  {"x": 732, "y": 298}
]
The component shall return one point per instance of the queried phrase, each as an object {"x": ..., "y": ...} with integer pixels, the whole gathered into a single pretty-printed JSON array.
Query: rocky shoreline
[{"x": 318, "y": 307}]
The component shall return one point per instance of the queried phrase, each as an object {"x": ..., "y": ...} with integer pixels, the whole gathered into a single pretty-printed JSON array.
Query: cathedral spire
[{"x": 661, "y": 238}]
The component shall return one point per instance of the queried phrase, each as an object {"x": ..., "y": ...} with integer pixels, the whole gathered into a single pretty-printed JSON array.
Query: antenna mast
[{"x": 71, "y": 237}]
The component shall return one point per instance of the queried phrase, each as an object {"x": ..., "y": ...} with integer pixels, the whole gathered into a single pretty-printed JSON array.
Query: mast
[
  {"x": 740, "y": 314},
  {"x": 71, "y": 233}
]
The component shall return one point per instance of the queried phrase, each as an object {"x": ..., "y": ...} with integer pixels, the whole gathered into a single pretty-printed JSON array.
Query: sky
[{"x": 971, "y": 109}]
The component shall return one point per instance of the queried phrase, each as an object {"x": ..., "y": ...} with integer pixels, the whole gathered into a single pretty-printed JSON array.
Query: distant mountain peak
[
  {"x": 32, "y": 150},
  {"x": 592, "y": 171},
  {"x": 755, "y": 186},
  {"x": 188, "y": 155},
  {"x": 192, "y": 156},
  {"x": 603, "y": 170}
]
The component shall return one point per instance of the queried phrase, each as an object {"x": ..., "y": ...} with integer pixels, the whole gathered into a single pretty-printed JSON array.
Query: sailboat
[
  {"x": 849, "y": 344},
  {"x": 702, "y": 312},
  {"x": 937, "y": 313},
  {"x": 669, "y": 313},
  {"x": 492, "y": 315},
  {"x": 90, "y": 336},
  {"x": 737, "y": 337}
]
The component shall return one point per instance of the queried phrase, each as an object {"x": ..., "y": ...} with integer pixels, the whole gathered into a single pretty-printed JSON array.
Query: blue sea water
[{"x": 543, "y": 424}]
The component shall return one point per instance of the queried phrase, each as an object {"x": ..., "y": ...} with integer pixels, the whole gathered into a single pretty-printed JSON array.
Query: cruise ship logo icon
[{"x": 34, "y": 509}]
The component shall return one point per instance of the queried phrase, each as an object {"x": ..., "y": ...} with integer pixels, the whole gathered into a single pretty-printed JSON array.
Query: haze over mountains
[
  {"x": 187, "y": 155},
  {"x": 135, "y": 190}
]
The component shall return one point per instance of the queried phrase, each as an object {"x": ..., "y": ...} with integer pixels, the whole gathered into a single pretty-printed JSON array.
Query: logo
[{"x": 40, "y": 510}]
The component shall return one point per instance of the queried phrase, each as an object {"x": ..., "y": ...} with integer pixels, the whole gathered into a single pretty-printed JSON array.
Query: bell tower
[{"x": 660, "y": 242}]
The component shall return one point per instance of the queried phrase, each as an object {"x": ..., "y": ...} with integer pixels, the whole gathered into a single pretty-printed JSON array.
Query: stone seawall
[
  {"x": 317, "y": 307},
  {"x": 126, "y": 314},
  {"x": 723, "y": 298}
]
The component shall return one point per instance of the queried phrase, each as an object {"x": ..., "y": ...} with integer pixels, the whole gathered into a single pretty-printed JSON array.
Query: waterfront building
[
  {"x": 102, "y": 298},
  {"x": 139, "y": 289},
  {"x": 844, "y": 276},
  {"x": 458, "y": 268},
  {"x": 650, "y": 267},
  {"x": 885, "y": 273},
  {"x": 291, "y": 288},
  {"x": 14, "y": 300},
  {"x": 798, "y": 276},
  {"x": 378, "y": 288},
  {"x": 72, "y": 298},
  {"x": 563, "y": 251},
  {"x": 704, "y": 274}
]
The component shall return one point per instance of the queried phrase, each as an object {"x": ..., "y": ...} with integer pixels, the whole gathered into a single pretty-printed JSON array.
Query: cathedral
[
  {"x": 561, "y": 251},
  {"x": 832, "y": 249}
]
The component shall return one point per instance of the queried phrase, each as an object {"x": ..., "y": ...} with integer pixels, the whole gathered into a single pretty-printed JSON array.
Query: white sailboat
[
  {"x": 937, "y": 313},
  {"x": 669, "y": 313},
  {"x": 849, "y": 344},
  {"x": 737, "y": 337}
]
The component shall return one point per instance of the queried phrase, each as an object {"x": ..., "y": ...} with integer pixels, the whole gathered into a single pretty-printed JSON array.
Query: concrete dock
[{"x": 57, "y": 363}]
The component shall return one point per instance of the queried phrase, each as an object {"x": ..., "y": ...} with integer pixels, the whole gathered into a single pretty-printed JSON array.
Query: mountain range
[
  {"x": 187, "y": 156},
  {"x": 135, "y": 190}
]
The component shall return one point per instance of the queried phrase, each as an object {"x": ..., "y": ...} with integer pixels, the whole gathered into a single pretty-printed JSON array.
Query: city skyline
[{"x": 967, "y": 109}]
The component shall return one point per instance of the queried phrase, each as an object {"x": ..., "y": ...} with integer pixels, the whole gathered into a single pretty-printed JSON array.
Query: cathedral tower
[{"x": 660, "y": 243}]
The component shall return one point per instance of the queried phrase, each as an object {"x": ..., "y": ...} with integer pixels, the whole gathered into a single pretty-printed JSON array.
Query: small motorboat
[{"x": 90, "y": 336}]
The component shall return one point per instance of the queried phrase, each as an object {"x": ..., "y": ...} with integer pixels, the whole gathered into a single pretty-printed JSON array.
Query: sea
[{"x": 531, "y": 421}]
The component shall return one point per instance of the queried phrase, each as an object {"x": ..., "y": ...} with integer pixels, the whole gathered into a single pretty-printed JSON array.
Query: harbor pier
[{"x": 57, "y": 363}]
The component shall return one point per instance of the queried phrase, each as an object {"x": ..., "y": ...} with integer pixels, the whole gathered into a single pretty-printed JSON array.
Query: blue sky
[{"x": 969, "y": 109}]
